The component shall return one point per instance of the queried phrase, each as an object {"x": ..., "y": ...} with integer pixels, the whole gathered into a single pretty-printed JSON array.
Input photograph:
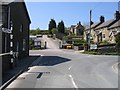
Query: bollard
[{"x": 60, "y": 44}]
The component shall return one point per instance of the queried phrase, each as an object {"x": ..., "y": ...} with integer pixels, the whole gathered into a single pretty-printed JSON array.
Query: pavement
[{"x": 22, "y": 65}]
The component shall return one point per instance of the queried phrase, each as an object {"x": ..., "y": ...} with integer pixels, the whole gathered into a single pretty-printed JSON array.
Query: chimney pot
[
  {"x": 102, "y": 19},
  {"x": 117, "y": 15}
]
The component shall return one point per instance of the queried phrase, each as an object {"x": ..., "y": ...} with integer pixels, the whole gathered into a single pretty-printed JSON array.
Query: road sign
[
  {"x": 93, "y": 46},
  {"x": 64, "y": 41}
]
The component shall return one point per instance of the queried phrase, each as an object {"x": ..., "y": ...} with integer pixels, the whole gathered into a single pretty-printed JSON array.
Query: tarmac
[{"x": 23, "y": 65}]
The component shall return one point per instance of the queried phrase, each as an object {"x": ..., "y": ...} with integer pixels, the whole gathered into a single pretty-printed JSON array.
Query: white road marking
[
  {"x": 73, "y": 82},
  {"x": 69, "y": 67},
  {"x": 115, "y": 68},
  {"x": 35, "y": 55}
]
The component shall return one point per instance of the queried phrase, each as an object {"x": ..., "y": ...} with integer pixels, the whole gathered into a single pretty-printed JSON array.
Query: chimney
[
  {"x": 102, "y": 19},
  {"x": 117, "y": 15},
  {"x": 79, "y": 23}
]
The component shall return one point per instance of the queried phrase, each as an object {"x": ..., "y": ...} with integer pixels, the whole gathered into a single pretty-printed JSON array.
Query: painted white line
[
  {"x": 115, "y": 68},
  {"x": 69, "y": 67},
  {"x": 73, "y": 82},
  {"x": 35, "y": 55}
]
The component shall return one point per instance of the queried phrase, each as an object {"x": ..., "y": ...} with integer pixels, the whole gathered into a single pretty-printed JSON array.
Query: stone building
[
  {"x": 77, "y": 29},
  {"x": 14, "y": 32}
]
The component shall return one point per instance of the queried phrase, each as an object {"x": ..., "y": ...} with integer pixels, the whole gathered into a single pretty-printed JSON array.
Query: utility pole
[{"x": 90, "y": 31}]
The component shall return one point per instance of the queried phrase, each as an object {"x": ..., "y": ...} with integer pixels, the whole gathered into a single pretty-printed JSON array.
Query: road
[{"x": 60, "y": 68}]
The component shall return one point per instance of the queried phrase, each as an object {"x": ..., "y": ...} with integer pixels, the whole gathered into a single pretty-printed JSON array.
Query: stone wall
[{"x": 107, "y": 48}]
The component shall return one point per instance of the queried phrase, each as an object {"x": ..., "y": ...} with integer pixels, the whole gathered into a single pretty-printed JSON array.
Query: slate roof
[
  {"x": 87, "y": 27},
  {"x": 93, "y": 25},
  {"x": 105, "y": 24},
  {"x": 117, "y": 24},
  {"x": 77, "y": 26},
  {"x": 72, "y": 26}
]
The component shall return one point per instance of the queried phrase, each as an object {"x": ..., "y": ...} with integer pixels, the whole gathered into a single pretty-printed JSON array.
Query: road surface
[{"x": 60, "y": 68}]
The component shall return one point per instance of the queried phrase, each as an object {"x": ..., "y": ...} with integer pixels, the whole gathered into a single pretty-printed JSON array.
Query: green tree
[
  {"x": 61, "y": 27},
  {"x": 35, "y": 32},
  {"x": 54, "y": 30},
  {"x": 52, "y": 24}
]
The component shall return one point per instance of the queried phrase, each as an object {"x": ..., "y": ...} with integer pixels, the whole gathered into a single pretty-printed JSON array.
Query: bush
[
  {"x": 98, "y": 53},
  {"x": 104, "y": 42}
]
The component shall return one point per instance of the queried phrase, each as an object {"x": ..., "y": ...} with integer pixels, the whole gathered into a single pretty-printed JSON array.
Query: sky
[{"x": 70, "y": 12}]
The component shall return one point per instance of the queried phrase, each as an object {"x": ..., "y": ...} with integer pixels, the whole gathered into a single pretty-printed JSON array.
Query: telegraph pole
[{"x": 90, "y": 31}]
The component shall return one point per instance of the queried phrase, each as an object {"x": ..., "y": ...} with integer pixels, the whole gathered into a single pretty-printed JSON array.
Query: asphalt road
[{"x": 60, "y": 68}]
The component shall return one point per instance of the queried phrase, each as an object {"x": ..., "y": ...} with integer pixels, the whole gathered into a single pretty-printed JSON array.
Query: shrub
[{"x": 104, "y": 42}]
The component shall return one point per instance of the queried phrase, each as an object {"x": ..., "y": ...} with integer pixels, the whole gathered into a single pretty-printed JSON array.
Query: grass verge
[{"x": 98, "y": 53}]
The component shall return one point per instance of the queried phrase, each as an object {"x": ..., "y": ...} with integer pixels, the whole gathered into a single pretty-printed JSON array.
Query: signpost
[
  {"x": 64, "y": 41},
  {"x": 93, "y": 46}
]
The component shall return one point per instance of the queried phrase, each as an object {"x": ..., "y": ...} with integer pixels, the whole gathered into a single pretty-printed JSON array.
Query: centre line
[{"x": 73, "y": 82}]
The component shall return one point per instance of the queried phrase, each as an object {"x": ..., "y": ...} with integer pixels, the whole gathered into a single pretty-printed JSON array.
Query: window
[
  {"x": 21, "y": 28},
  {"x": 11, "y": 28},
  {"x": 11, "y": 36},
  {"x": 17, "y": 46},
  {"x": 103, "y": 35},
  {"x": 5, "y": 43},
  {"x": 11, "y": 25},
  {"x": 24, "y": 44},
  {"x": 11, "y": 44}
]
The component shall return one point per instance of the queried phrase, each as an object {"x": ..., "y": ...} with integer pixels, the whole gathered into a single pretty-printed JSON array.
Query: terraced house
[
  {"x": 93, "y": 26},
  {"x": 14, "y": 32},
  {"x": 103, "y": 31},
  {"x": 114, "y": 30},
  {"x": 106, "y": 30}
]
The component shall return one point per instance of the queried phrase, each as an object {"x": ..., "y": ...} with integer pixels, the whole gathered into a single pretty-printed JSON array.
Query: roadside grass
[{"x": 98, "y": 53}]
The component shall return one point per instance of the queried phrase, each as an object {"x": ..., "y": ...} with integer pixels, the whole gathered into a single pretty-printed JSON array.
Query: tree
[
  {"x": 52, "y": 24},
  {"x": 61, "y": 27},
  {"x": 54, "y": 30},
  {"x": 35, "y": 32},
  {"x": 38, "y": 31}
]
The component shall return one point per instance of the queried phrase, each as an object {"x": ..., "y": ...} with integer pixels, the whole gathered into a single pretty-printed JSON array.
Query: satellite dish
[{"x": 5, "y": 30}]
